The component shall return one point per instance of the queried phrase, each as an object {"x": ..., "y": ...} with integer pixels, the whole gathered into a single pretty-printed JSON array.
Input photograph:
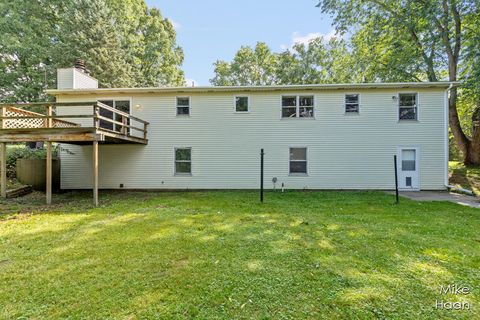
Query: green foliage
[
  {"x": 249, "y": 67},
  {"x": 320, "y": 61},
  {"x": 223, "y": 255},
  {"x": 124, "y": 44},
  {"x": 416, "y": 40}
]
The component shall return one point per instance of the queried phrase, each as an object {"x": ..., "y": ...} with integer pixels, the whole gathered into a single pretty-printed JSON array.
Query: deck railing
[{"x": 16, "y": 116}]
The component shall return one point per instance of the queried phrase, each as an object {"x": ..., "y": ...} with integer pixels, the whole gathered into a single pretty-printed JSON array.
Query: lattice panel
[
  {"x": 31, "y": 122},
  {"x": 22, "y": 123},
  {"x": 64, "y": 124}
]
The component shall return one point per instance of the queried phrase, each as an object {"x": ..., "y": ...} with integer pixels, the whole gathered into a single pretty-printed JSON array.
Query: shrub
[{"x": 23, "y": 153}]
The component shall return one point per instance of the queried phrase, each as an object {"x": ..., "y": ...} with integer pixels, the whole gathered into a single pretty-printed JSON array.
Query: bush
[{"x": 23, "y": 153}]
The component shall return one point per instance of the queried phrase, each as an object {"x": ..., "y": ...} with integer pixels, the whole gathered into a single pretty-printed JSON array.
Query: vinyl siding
[
  {"x": 345, "y": 151},
  {"x": 65, "y": 79},
  {"x": 71, "y": 78},
  {"x": 83, "y": 81}
]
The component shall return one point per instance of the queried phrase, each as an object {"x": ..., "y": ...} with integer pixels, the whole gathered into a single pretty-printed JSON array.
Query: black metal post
[
  {"x": 261, "y": 175},
  {"x": 396, "y": 177}
]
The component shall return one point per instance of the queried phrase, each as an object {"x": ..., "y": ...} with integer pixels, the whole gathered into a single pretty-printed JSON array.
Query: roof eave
[{"x": 349, "y": 86}]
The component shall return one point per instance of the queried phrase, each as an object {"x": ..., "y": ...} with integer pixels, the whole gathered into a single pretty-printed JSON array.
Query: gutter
[{"x": 208, "y": 89}]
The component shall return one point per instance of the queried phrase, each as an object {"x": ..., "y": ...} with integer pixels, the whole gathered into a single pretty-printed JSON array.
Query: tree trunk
[
  {"x": 472, "y": 154},
  {"x": 460, "y": 137},
  {"x": 469, "y": 147}
]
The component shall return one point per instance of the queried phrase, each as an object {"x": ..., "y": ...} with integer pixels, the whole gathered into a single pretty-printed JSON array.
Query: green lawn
[{"x": 222, "y": 255}]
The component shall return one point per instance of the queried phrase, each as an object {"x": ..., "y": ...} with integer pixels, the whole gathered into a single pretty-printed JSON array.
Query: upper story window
[
  {"x": 183, "y": 161},
  {"x": 297, "y": 106},
  {"x": 352, "y": 103},
  {"x": 408, "y": 107},
  {"x": 242, "y": 104},
  {"x": 183, "y": 106}
]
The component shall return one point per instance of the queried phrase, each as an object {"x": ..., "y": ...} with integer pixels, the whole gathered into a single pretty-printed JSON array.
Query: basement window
[
  {"x": 183, "y": 106},
  {"x": 298, "y": 161},
  {"x": 183, "y": 161},
  {"x": 297, "y": 106},
  {"x": 352, "y": 104},
  {"x": 407, "y": 104}
]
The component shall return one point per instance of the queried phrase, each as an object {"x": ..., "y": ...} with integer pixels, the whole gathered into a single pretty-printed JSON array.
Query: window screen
[
  {"x": 298, "y": 160},
  {"x": 183, "y": 161},
  {"x": 297, "y": 106},
  {"x": 351, "y": 103},
  {"x": 241, "y": 104},
  {"x": 183, "y": 106},
  {"x": 407, "y": 106}
]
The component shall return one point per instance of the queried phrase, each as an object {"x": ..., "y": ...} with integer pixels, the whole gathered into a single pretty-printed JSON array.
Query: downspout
[{"x": 447, "y": 144}]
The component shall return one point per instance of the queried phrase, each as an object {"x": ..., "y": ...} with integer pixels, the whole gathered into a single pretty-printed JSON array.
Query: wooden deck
[
  {"x": 74, "y": 135},
  {"x": 79, "y": 123},
  {"x": 20, "y": 125}
]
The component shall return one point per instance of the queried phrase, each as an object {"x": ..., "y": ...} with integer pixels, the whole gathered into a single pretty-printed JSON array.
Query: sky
[{"x": 211, "y": 30}]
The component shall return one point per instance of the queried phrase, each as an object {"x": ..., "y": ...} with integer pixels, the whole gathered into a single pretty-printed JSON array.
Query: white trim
[
  {"x": 117, "y": 98},
  {"x": 74, "y": 82},
  {"x": 417, "y": 107},
  {"x": 189, "y": 106},
  {"x": 181, "y": 174},
  {"x": 235, "y": 103},
  {"x": 298, "y": 174},
  {"x": 446, "y": 142},
  {"x": 345, "y": 103},
  {"x": 343, "y": 86}
]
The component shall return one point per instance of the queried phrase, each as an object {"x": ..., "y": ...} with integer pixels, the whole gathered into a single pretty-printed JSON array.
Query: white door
[{"x": 408, "y": 168}]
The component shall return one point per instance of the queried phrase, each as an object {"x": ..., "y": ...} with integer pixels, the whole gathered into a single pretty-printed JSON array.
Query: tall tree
[
  {"x": 249, "y": 67},
  {"x": 124, "y": 44},
  {"x": 414, "y": 40},
  {"x": 319, "y": 61}
]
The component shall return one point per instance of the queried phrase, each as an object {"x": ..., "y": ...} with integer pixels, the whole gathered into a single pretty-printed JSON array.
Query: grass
[
  {"x": 222, "y": 255},
  {"x": 464, "y": 177}
]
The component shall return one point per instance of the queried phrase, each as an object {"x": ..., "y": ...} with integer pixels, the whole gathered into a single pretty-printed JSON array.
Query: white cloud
[
  {"x": 176, "y": 25},
  {"x": 297, "y": 37}
]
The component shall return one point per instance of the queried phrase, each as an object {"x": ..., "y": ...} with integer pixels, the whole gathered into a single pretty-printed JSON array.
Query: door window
[{"x": 408, "y": 160}]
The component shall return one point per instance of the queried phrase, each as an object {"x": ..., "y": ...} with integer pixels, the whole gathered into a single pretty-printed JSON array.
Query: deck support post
[
  {"x": 49, "y": 172},
  {"x": 3, "y": 169},
  {"x": 95, "y": 172}
]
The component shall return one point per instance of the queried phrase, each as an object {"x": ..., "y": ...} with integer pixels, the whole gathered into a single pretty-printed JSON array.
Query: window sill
[
  {"x": 182, "y": 175},
  {"x": 298, "y": 174},
  {"x": 297, "y": 118},
  {"x": 182, "y": 115},
  {"x": 351, "y": 113},
  {"x": 242, "y": 112},
  {"x": 408, "y": 120}
]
